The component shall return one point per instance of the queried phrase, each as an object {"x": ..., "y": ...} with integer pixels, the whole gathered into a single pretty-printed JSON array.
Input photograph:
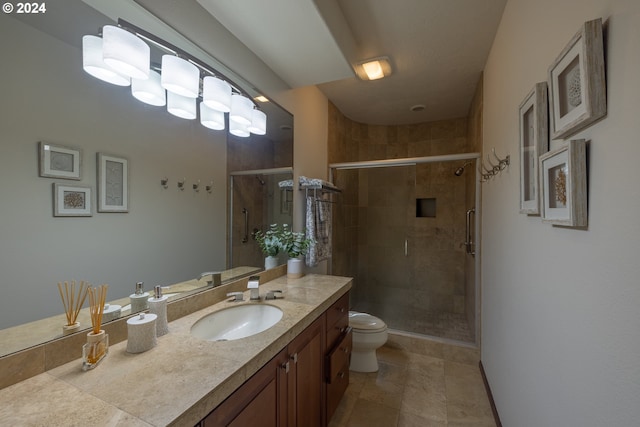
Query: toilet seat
[{"x": 365, "y": 323}]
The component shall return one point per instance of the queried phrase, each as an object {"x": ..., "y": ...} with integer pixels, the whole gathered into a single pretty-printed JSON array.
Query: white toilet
[{"x": 369, "y": 333}]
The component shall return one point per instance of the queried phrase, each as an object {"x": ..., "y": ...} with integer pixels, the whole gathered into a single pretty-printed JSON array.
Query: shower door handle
[
  {"x": 469, "y": 230},
  {"x": 406, "y": 247},
  {"x": 245, "y": 239}
]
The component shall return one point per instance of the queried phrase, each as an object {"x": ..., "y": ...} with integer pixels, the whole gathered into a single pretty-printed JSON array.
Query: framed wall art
[
  {"x": 564, "y": 185},
  {"x": 113, "y": 184},
  {"x": 534, "y": 141},
  {"x": 577, "y": 83},
  {"x": 57, "y": 161},
  {"x": 71, "y": 200}
]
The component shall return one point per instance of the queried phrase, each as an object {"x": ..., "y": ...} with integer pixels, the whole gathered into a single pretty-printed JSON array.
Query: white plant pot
[
  {"x": 270, "y": 262},
  {"x": 294, "y": 268}
]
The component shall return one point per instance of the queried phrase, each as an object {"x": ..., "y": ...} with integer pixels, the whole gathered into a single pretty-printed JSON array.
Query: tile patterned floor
[{"x": 421, "y": 383}]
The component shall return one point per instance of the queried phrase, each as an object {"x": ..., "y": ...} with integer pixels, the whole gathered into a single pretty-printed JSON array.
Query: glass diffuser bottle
[{"x": 97, "y": 345}]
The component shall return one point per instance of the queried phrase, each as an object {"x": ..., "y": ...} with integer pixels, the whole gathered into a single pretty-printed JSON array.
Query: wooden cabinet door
[
  {"x": 259, "y": 402},
  {"x": 306, "y": 401}
]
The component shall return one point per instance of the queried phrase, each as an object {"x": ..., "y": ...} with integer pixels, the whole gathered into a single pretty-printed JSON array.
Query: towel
[
  {"x": 287, "y": 183},
  {"x": 318, "y": 228}
]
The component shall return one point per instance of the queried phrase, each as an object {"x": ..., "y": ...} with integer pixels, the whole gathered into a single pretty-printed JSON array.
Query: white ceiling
[{"x": 438, "y": 50}]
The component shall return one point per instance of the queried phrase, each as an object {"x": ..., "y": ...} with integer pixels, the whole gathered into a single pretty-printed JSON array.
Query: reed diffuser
[
  {"x": 72, "y": 303},
  {"x": 97, "y": 345}
]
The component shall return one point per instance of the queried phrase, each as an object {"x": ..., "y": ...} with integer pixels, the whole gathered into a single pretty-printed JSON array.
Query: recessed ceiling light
[
  {"x": 374, "y": 68},
  {"x": 285, "y": 127},
  {"x": 418, "y": 107},
  {"x": 261, "y": 98}
]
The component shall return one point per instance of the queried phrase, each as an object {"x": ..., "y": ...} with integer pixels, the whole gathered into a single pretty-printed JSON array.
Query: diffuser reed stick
[
  {"x": 71, "y": 301},
  {"x": 97, "y": 299},
  {"x": 97, "y": 344}
]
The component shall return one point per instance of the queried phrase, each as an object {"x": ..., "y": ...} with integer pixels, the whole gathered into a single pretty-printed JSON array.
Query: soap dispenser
[
  {"x": 139, "y": 298},
  {"x": 158, "y": 306}
]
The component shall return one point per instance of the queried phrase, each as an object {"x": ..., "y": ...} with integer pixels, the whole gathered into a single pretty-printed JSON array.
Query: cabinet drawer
[
  {"x": 336, "y": 331},
  {"x": 336, "y": 390},
  {"x": 339, "y": 309},
  {"x": 338, "y": 358}
]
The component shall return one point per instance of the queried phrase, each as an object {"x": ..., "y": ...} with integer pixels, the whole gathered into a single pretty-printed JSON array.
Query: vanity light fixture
[
  {"x": 374, "y": 68},
  {"x": 181, "y": 184},
  {"x": 122, "y": 57},
  {"x": 216, "y": 94},
  {"x": 93, "y": 63},
  {"x": 125, "y": 53},
  {"x": 149, "y": 91},
  {"x": 209, "y": 188},
  {"x": 238, "y": 129},
  {"x": 211, "y": 118},
  {"x": 181, "y": 106},
  {"x": 180, "y": 76},
  {"x": 241, "y": 108},
  {"x": 258, "y": 124}
]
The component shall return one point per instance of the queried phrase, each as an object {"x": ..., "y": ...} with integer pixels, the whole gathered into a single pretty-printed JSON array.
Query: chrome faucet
[
  {"x": 216, "y": 278},
  {"x": 252, "y": 285}
]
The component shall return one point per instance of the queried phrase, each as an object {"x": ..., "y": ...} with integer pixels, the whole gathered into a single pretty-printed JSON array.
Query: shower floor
[{"x": 451, "y": 326}]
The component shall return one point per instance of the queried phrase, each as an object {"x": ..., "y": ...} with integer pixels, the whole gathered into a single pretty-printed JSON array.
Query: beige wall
[{"x": 560, "y": 306}]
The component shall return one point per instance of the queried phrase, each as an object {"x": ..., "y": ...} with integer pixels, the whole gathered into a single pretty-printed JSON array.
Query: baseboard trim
[{"x": 496, "y": 417}]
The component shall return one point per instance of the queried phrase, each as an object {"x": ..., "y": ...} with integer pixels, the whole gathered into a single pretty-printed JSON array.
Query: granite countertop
[{"x": 179, "y": 381}]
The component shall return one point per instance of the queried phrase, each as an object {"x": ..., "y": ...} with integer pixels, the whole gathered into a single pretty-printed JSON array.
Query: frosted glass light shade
[
  {"x": 241, "y": 108},
  {"x": 238, "y": 129},
  {"x": 211, "y": 118},
  {"x": 149, "y": 91},
  {"x": 125, "y": 52},
  {"x": 180, "y": 77},
  {"x": 258, "y": 124},
  {"x": 216, "y": 94},
  {"x": 93, "y": 63},
  {"x": 181, "y": 106}
]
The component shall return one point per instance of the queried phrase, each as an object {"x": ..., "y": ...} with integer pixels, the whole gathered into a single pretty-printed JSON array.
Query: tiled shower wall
[{"x": 431, "y": 280}]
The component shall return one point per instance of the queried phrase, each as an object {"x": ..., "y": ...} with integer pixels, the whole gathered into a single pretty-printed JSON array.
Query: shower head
[
  {"x": 460, "y": 170},
  {"x": 260, "y": 179}
]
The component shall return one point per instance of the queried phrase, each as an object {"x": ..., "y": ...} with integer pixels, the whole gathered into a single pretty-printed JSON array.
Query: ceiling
[{"x": 438, "y": 49}]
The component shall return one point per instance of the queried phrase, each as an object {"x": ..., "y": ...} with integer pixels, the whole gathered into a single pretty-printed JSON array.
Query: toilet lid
[{"x": 364, "y": 321}]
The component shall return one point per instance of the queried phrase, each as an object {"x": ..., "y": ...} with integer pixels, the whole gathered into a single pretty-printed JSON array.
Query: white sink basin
[{"x": 236, "y": 322}]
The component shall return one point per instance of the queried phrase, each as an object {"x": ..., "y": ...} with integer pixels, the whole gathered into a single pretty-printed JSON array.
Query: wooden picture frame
[
  {"x": 57, "y": 161},
  {"x": 577, "y": 83},
  {"x": 71, "y": 200},
  {"x": 113, "y": 183},
  {"x": 564, "y": 185},
  {"x": 534, "y": 141}
]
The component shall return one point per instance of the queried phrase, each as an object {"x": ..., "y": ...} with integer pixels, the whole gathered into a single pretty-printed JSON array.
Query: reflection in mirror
[
  {"x": 257, "y": 200},
  {"x": 168, "y": 236}
]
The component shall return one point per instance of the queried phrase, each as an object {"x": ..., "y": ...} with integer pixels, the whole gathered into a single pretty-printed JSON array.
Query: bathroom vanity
[{"x": 293, "y": 373}]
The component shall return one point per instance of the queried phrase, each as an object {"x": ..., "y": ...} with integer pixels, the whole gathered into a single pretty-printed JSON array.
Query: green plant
[
  {"x": 294, "y": 243},
  {"x": 269, "y": 241}
]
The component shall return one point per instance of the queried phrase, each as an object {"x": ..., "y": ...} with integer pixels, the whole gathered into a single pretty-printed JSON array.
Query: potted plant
[
  {"x": 295, "y": 244},
  {"x": 269, "y": 242}
]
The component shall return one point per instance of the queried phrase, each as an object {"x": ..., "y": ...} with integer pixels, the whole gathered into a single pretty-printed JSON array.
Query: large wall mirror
[{"x": 168, "y": 235}]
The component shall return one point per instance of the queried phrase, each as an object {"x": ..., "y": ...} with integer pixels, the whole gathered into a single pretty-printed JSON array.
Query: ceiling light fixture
[
  {"x": 261, "y": 98},
  {"x": 374, "y": 68},
  {"x": 122, "y": 57}
]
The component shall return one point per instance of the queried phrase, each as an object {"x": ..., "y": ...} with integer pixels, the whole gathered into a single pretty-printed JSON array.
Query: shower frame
[{"x": 413, "y": 161}]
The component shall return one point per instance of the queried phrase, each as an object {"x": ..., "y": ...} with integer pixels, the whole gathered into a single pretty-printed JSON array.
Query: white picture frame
[
  {"x": 577, "y": 83},
  {"x": 534, "y": 141},
  {"x": 57, "y": 161},
  {"x": 71, "y": 200},
  {"x": 113, "y": 183},
  {"x": 563, "y": 179}
]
